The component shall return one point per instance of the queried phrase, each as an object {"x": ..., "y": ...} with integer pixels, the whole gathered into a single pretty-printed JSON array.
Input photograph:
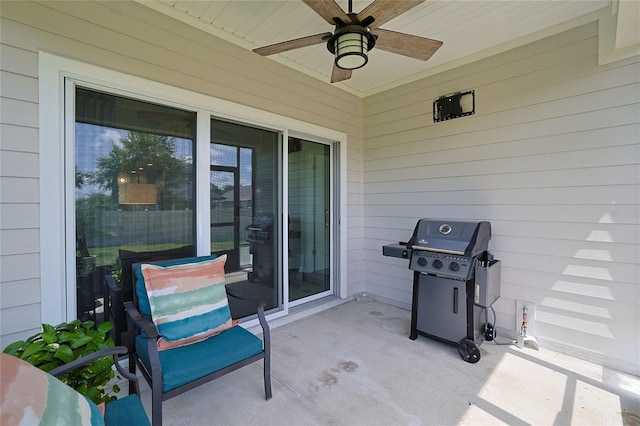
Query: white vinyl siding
[
  {"x": 19, "y": 216},
  {"x": 551, "y": 158},
  {"x": 133, "y": 39}
]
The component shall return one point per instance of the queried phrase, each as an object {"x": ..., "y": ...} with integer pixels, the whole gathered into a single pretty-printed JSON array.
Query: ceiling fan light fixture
[
  {"x": 350, "y": 45},
  {"x": 351, "y": 50}
]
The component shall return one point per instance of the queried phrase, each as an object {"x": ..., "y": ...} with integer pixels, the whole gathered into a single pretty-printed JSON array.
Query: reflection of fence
[
  {"x": 116, "y": 228},
  {"x": 149, "y": 227}
]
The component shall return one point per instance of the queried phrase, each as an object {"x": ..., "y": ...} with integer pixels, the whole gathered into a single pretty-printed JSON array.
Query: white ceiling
[{"x": 470, "y": 30}]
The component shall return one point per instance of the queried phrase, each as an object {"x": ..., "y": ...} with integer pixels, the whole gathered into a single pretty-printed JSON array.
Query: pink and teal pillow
[
  {"x": 138, "y": 279},
  {"x": 29, "y": 396},
  {"x": 187, "y": 301}
]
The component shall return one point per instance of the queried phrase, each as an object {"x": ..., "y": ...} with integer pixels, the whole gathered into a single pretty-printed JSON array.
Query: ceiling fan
[{"x": 357, "y": 33}]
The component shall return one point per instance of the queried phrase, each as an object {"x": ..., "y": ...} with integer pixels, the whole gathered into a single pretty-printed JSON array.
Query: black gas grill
[{"x": 455, "y": 280}]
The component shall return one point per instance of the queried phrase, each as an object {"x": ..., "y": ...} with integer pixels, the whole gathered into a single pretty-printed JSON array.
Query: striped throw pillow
[{"x": 188, "y": 301}]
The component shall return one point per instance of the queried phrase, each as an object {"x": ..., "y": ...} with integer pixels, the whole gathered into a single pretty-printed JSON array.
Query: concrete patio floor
[{"x": 354, "y": 364}]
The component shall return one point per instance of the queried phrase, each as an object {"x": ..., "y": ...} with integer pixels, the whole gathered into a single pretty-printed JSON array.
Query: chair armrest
[
  {"x": 87, "y": 359},
  {"x": 141, "y": 322}
]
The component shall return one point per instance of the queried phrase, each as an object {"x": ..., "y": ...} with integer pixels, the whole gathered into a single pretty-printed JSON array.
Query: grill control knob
[
  {"x": 422, "y": 261},
  {"x": 437, "y": 264},
  {"x": 454, "y": 266}
]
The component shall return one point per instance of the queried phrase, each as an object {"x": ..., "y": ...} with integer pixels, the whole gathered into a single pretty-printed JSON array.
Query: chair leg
[
  {"x": 156, "y": 402},
  {"x": 132, "y": 370},
  {"x": 267, "y": 375}
]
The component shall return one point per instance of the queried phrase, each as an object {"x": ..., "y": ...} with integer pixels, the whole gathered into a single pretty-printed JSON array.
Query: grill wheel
[{"x": 469, "y": 351}]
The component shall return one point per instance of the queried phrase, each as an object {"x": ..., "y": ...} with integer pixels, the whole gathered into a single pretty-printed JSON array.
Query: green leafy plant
[{"x": 59, "y": 345}]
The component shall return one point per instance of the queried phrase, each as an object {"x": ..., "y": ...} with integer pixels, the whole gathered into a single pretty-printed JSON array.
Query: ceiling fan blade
[
  {"x": 327, "y": 9},
  {"x": 406, "y": 44},
  {"x": 292, "y": 44},
  {"x": 338, "y": 74},
  {"x": 385, "y": 10}
]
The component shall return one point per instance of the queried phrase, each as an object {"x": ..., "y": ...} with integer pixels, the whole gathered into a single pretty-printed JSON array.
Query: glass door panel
[
  {"x": 245, "y": 203},
  {"x": 309, "y": 224},
  {"x": 134, "y": 196}
]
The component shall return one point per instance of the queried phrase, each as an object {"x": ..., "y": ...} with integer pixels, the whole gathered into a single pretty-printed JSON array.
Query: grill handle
[{"x": 455, "y": 300}]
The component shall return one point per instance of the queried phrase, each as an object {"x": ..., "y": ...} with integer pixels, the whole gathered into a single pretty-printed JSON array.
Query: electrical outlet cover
[{"x": 531, "y": 317}]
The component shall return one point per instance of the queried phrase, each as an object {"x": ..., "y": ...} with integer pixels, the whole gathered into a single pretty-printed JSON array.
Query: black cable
[{"x": 495, "y": 326}]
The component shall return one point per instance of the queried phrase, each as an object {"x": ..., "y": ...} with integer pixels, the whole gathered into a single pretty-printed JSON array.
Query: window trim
[{"x": 53, "y": 71}]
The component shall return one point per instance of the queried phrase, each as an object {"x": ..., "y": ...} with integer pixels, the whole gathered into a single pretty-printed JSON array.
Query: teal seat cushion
[
  {"x": 185, "y": 364},
  {"x": 126, "y": 411}
]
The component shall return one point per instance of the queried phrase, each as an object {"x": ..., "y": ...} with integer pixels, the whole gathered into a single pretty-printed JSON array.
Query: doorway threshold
[{"x": 305, "y": 310}]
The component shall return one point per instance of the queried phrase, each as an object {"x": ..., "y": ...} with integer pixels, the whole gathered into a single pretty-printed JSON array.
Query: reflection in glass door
[
  {"x": 224, "y": 191},
  {"x": 309, "y": 220},
  {"x": 133, "y": 199},
  {"x": 244, "y": 212}
]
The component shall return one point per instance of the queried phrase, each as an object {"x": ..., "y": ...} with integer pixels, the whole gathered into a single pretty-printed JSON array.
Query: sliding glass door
[
  {"x": 309, "y": 183},
  {"x": 140, "y": 195},
  {"x": 246, "y": 218}
]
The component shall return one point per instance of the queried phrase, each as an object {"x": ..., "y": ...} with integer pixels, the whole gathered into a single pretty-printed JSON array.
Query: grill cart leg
[{"x": 414, "y": 307}]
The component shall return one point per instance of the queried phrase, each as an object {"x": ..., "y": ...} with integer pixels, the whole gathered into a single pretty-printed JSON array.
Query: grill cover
[{"x": 468, "y": 239}]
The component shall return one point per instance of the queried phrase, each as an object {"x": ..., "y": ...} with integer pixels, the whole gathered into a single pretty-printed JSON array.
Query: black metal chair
[
  {"x": 174, "y": 371},
  {"x": 118, "y": 293}
]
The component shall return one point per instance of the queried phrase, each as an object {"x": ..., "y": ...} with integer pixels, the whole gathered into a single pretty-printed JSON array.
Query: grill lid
[{"x": 466, "y": 239}]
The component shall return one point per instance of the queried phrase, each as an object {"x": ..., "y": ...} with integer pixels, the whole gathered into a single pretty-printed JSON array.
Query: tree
[
  {"x": 79, "y": 179},
  {"x": 143, "y": 158}
]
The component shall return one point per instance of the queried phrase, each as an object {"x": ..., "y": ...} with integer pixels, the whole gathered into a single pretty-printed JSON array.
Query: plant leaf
[
  {"x": 49, "y": 366},
  {"x": 46, "y": 328},
  {"x": 50, "y": 336},
  {"x": 65, "y": 337},
  {"x": 64, "y": 353},
  {"x": 105, "y": 327},
  {"x": 41, "y": 358},
  {"x": 88, "y": 325},
  {"x": 15, "y": 347},
  {"x": 81, "y": 341},
  {"x": 32, "y": 348}
]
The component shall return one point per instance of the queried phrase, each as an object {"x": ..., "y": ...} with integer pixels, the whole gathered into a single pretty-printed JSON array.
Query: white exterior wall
[
  {"x": 551, "y": 158},
  {"x": 133, "y": 39}
]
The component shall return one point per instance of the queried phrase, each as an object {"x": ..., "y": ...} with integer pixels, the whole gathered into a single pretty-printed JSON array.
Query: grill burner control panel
[{"x": 443, "y": 265}]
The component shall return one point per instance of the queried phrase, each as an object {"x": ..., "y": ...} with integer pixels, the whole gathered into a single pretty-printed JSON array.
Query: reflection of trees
[
  {"x": 215, "y": 189},
  {"x": 145, "y": 158},
  {"x": 79, "y": 179},
  {"x": 88, "y": 219}
]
